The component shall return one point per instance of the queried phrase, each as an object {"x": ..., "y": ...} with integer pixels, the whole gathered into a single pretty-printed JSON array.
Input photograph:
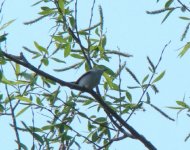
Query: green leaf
[
  {"x": 184, "y": 18},
  {"x": 46, "y": 11},
  {"x": 77, "y": 56},
  {"x": 40, "y": 48},
  {"x": 87, "y": 102},
  {"x": 67, "y": 50},
  {"x": 38, "y": 101},
  {"x": 9, "y": 82},
  {"x": 31, "y": 51},
  {"x": 1, "y": 75},
  {"x": 3, "y": 37},
  {"x": 159, "y": 77},
  {"x": 1, "y": 108},
  {"x": 22, "y": 146},
  {"x": 101, "y": 120},
  {"x": 94, "y": 137},
  {"x": 176, "y": 108},
  {"x": 24, "y": 99},
  {"x": 132, "y": 75},
  {"x": 59, "y": 39},
  {"x": 184, "y": 50},
  {"x": 17, "y": 70},
  {"x": 45, "y": 61},
  {"x": 168, "y": 3},
  {"x": 128, "y": 95},
  {"x": 38, "y": 137},
  {"x": 61, "y": 5},
  {"x": 145, "y": 79},
  {"x": 167, "y": 15},
  {"x": 6, "y": 24},
  {"x": 72, "y": 21},
  {"x": 58, "y": 60},
  {"x": 183, "y": 104},
  {"x": 147, "y": 98},
  {"x": 155, "y": 89},
  {"x": 21, "y": 111}
]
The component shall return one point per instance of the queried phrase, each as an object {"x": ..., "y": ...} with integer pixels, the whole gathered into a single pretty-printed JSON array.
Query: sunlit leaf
[
  {"x": 67, "y": 50},
  {"x": 22, "y": 111},
  {"x": 159, "y": 77},
  {"x": 40, "y": 48},
  {"x": 17, "y": 71},
  {"x": 45, "y": 61},
  {"x": 184, "y": 50},
  {"x": 6, "y": 24},
  {"x": 24, "y": 99},
  {"x": 183, "y": 104},
  {"x": 145, "y": 79}
]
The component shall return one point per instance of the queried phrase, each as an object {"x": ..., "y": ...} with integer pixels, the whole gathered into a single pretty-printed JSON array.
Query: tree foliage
[{"x": 67, "y": 120}]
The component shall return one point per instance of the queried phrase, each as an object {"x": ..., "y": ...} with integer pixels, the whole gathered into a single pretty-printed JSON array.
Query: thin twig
[
  {"x": 184, "y": 5},
  {"x": 149, "y": 83},
  {"x": 14, "y": 119}
]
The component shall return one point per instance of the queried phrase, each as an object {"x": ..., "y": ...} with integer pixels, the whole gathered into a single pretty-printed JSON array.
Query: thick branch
[{"x": 22, "y": 61}]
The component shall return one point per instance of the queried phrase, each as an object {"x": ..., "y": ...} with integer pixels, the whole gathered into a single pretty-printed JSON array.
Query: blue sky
[{"x": 128, "y": 27}]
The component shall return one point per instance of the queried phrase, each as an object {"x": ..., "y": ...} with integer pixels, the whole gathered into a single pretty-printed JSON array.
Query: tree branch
[{"x": 22, "y": 61}]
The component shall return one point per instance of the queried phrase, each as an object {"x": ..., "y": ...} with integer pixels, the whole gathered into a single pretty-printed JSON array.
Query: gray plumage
[{"x": 91, "y": 78}]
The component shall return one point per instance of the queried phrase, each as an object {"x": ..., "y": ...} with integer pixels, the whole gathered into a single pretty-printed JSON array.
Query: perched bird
[{"x": 91, "y": 78}]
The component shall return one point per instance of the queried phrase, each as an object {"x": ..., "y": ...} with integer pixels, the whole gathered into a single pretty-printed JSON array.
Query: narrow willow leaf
[
  {"x": 38, "y": 137},
  {"x": 159, "y": 77},
  {"x": 168, "y": 3},
  {"x": 185, "y": 32},
  {"x": 147, "y": 98},
  {"x": 22, "y": 111},
  {"x": 38, "y": 101},
  {"x": 184, "y": 50},
  {"x": 101, "y": 120},
  {"x": 61, "y": 4},
  {"x": 167, "y": 15},
  {"x": 175, "y": 107},
  {"x": 184, "y": 18},
  {"x": 24, "y": 99},
  {"x": 1, "y": 108},
  {"x": 6, "y": 24},
  {"x": 22, "y": 146},
  {"x": 145, "y": 79},
  {"x": 67, "y": 50},
  {"x": 151, "y": 64},
  {"x": 129, "y": 96},
  {"x": 77, "y": 56},
  {"x": 154, "y": 88},
  {"x": 17, "y": 71},
  {"x": 183, "y": 104},
  {"x": 40, "y": 48},
  {"x": 132, "y": 75},
  {"x": 30, "y": 51},
  {"x": 58, "y": 60}
]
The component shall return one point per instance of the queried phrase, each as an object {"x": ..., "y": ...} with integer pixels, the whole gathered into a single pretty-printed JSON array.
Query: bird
[{"x": 91, "y": 78}]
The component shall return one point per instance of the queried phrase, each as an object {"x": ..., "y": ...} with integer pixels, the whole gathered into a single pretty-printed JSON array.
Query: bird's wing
[{"x": 82, "y": 77}]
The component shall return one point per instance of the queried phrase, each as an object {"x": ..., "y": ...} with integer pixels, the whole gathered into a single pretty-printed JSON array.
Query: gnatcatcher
[{"x": 91, "y": 78}]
